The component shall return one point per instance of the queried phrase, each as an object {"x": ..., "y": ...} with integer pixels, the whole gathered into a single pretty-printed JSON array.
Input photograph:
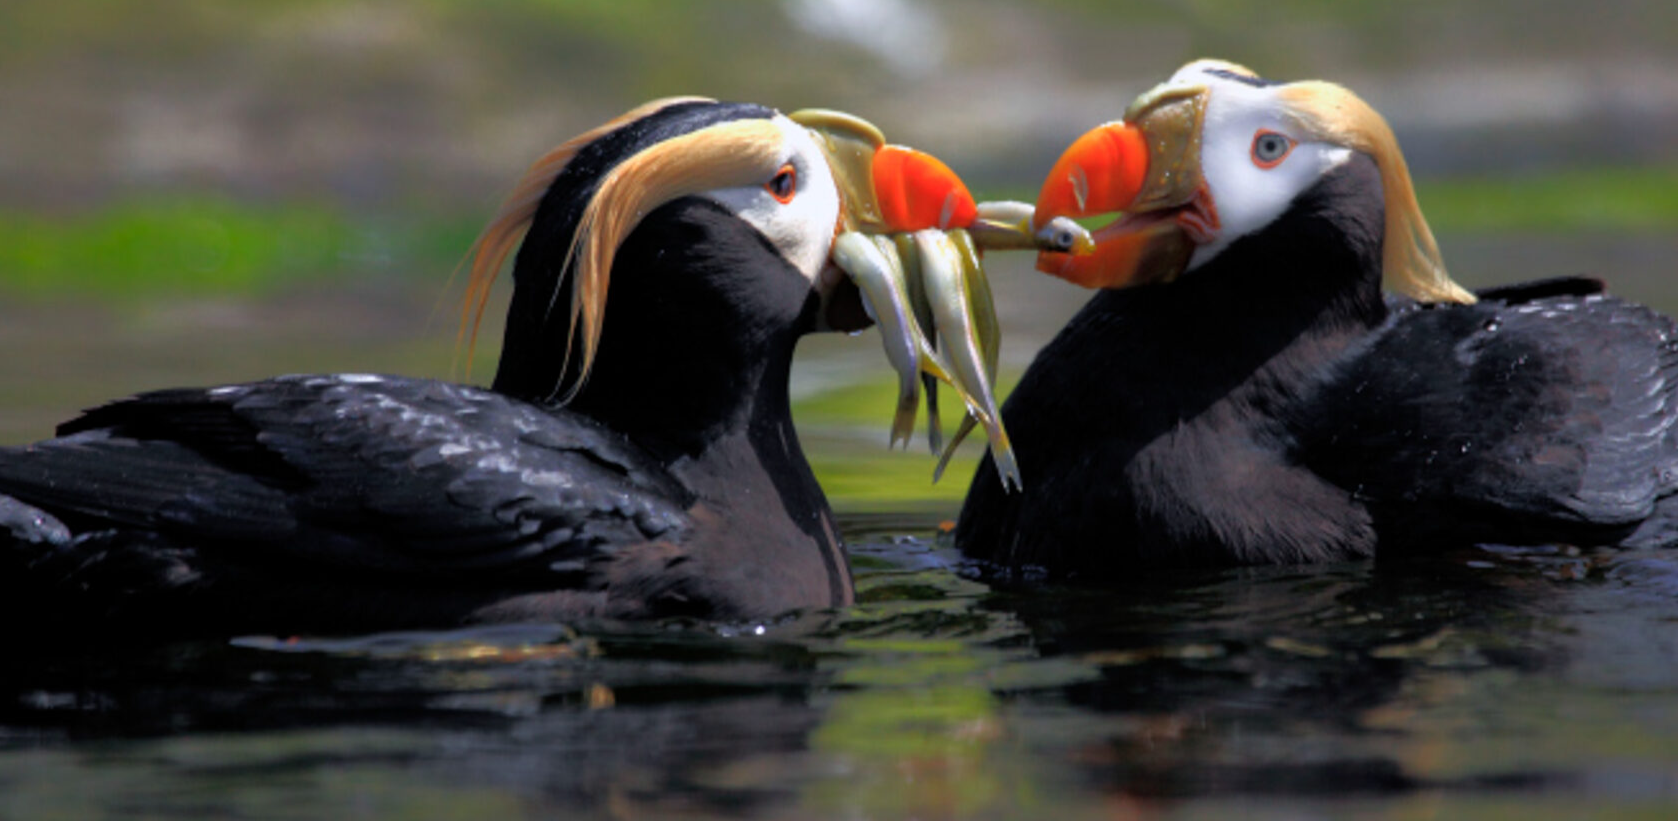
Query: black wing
[
  {"x": 380, "y": 473},
  {"x": 1546, "y": 419}
]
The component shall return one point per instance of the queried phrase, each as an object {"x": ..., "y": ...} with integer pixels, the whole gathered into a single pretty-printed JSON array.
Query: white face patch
[
  {"x": 802, "y": 227},
  {"x": 1248, "y": 196}
]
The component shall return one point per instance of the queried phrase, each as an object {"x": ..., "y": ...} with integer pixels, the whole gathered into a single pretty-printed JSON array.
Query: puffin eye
[
  {"x": 784, "y": 184},
  {"x": 1270, "y": 148}
]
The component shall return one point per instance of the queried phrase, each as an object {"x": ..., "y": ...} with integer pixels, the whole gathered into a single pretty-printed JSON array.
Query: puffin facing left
[
  {"x": 1242, "y": 391},
  {"x": 635, "y": 456}
]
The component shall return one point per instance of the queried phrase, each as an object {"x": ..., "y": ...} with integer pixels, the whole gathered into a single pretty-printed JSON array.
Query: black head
[{"x": 616, "y": 202}]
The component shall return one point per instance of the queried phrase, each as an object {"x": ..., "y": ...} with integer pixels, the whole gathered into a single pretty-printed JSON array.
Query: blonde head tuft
[
  {"x": 725, "y": 155},
  {"x": 1411, "y": 263},
  {"x": 503, "y": 233}
]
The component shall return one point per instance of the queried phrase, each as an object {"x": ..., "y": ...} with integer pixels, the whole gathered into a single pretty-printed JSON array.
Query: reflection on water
[
  {"x": 1537, "y": 681},
  {"x": 1530, "y": 683}
]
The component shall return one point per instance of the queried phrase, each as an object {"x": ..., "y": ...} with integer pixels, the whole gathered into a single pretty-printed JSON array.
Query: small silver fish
[
  {"x": 1005, "y": 225},
  {"x": 929, "y": 294},
  {"x": 911, "y": 262},
  {"x": 873, "y": 264},
  {"x": 946, "y": 271},
  {"x": 880, "y": 279},
  {"x": 988, "y": 331}
]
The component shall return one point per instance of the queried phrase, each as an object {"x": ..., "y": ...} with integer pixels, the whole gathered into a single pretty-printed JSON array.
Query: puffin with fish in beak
[
  {"x": 1241, "y": 390},
  {"x": 634, "y": 458}
]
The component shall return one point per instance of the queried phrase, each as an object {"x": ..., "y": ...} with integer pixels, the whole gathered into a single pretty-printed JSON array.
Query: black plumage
[
  {"x": 1273, "y": 406},
  {"x": 529, "y": 368},
  {"x": 671, "y": 484}
]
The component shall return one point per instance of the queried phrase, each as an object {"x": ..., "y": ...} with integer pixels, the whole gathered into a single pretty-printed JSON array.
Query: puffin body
[
  {"x": 635, "y": 457},
  {"x": 1241, "y": 391}
]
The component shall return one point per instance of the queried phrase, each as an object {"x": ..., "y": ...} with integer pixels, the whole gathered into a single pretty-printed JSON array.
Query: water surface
[{"x": 1536, "y": 683}]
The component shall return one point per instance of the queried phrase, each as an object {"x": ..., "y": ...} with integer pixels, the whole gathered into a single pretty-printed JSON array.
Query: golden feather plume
[
  {"x": 728, "y": 154},
  {"x": 498, "y": 239},
  {"x": 1410, "y": 259}
]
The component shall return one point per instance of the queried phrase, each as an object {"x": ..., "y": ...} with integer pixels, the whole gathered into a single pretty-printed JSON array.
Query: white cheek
[
  {"x": 1248, "y": 197},
  {"x": 802, "y": 230}
]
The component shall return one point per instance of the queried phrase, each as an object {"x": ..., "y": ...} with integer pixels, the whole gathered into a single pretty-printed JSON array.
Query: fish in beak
[
  {"x": 908, "y": 248},
  {"x": 1146, "y": 169},
  {"x": 1216, "y": 128}
]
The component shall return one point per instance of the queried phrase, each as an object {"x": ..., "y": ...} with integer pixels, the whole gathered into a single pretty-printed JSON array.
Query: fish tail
[
  {"x": 934, "y": 425},
  {"x": 1002, "y": 452},
  {"x": 968, "y": 422},
  {"x": 1007, "y": 467},
  {"x": 903, "y": 422}
]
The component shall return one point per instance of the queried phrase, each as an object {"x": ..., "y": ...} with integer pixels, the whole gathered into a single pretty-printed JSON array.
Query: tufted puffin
[
  {"x": 634, "y": 457},
  {"x": 1240, "y": 389}
]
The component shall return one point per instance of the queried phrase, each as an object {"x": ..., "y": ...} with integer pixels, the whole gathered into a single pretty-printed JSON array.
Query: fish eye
[
  {"x": 1270, "y": 148},
  {"x": 784, "y": 184}
]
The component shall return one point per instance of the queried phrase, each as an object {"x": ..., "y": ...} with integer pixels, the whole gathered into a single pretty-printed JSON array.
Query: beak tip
[
  {"x": 1052, "y": 262},
  {"x": 1055, "y": 199},
  {"x": 1101, "y": 171},
  {"x": 916, "y": 190}
]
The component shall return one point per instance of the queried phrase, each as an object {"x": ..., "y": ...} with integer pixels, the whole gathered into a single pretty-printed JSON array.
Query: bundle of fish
[{"x": 926, "y": 288}]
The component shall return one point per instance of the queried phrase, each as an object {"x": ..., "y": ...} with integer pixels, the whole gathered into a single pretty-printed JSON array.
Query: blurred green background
[{"x": 194, "y": 191}]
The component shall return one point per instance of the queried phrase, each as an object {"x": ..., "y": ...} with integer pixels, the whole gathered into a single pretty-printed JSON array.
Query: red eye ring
[
  {"x": 1270, "y": 148},
  {"x": 783, "y": 185}
]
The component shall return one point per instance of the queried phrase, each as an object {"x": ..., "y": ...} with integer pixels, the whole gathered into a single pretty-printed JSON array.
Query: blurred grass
[
  {"x": 845, "y": 432},
  {"x": 171, "y": 246},
  {"x": 1570, "y": 200},
  {"x": 207, "y": 245}
]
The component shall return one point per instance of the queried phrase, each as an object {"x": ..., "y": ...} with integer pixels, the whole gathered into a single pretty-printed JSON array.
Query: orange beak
[
  {"x": 886, "y": 188},
  {"x": 916, "y": 190},
  {"x": 1099, "y": 173},
  {"x": 1147, "y": 169},
  {"x": 883, "y": 189}
]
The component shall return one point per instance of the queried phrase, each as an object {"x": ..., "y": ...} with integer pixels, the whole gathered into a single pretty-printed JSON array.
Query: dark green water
[
  {"x": 1538, "y": 684},
  {"x": 1532, "y": 684}
]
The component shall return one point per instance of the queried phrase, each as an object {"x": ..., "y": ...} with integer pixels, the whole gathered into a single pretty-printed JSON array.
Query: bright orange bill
[
  {"x": 1101, "y": 172},
  {"x": 1125, "y": 254},
  {"x": 916, "y": 191}
]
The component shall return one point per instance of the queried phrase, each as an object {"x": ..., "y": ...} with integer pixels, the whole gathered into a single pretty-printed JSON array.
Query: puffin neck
[
  {"x": 697, "y": 339},
  {"x": 1274, "y": 306},
  {"x": 696, "y": 347},
  {"x": 1315, "y": 270},
  {"x": 682, "y": 392}
]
